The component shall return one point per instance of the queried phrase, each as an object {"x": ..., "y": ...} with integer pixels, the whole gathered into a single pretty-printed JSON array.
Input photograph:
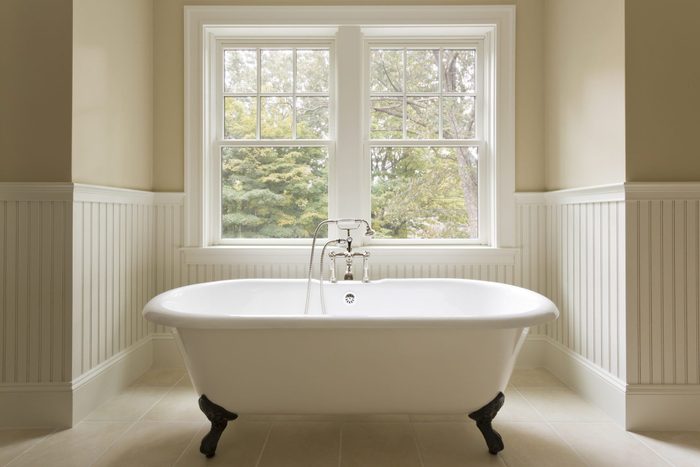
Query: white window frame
[{"x": 349, "y": 194}]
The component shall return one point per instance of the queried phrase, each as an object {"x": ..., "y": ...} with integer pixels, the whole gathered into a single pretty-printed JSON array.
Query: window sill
[{"x": 433, "y": 254}]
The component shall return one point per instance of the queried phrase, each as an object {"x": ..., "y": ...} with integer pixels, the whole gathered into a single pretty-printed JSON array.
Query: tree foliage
[{"x": 417, "y": 192}]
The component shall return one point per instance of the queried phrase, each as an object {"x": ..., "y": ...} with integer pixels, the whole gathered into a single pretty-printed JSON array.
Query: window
[
  {"x": 425, "y": 121},
  {"x": 306, "y": 118},
  {"x": 274, "y": 139}
]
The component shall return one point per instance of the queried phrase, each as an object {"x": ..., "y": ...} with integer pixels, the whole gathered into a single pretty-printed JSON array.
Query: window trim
[{"x": 204, "y": 23}]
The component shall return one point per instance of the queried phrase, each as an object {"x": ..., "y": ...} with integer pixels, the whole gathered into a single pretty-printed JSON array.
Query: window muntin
[
  {"x": 425, "y": 127},
  {"x": 275, "y": 140},
  {"x": 276, "y": 92}
]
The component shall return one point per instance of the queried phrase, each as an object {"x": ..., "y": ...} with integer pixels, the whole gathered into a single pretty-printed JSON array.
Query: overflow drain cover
[{"x": 350, "y": 298}]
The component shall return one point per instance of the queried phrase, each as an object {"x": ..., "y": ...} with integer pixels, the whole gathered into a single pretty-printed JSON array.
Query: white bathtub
[{"x": 392, "y": 346}]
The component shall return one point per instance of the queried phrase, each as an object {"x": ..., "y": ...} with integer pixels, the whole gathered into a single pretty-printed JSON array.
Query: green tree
[{"x": 273, "y": 192}]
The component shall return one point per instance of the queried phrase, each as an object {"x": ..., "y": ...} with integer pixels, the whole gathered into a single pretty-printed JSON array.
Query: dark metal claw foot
[
  {"x": 483, "y": 418},
  {"x": 219, "y": 418}
]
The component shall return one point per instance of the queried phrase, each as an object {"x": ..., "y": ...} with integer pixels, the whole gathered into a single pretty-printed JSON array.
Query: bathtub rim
[{"x": 155, "y": 311}]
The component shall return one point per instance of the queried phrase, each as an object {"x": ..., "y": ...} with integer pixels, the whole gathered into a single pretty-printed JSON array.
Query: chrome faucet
[{"x": 348, "y": 254}]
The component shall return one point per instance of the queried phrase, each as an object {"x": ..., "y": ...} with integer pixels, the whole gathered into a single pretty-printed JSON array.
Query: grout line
[
  {"x": 262, "y": 449},
  {"x": 417, "y": 444},
  {"x": 33, "y": 445},
  {"x": 638, "y": 437},
  {"x": 340, "y": 444},
  {"x": 189, "y": 443},
  {"x": 551, "y": 427},
  {"x": 118, "y": 438}
]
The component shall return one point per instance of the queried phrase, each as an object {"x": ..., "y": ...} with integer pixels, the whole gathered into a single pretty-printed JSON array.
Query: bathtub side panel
[{"x": 289, "y": 371}]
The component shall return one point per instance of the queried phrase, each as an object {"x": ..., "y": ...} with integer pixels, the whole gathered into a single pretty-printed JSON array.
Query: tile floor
[{"x": 156, "y": 422}]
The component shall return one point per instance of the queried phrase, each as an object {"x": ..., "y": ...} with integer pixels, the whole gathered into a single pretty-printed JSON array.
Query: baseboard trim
[
  {"x": 165, "y": 351},
  {"x": 586, "y": 378},
  {"x": 666, "y": 407},
  {"x": 35, "y": 405},
  {"x": 61, "y": 405},
  {"x": 111, "y": 377},
  {"x": 532, "y": 353}
]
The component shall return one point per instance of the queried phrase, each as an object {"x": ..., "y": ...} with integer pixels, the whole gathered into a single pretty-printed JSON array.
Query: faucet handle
[
  {"x": 333, "y": 279},
  {"x": 365, "y": 266}
]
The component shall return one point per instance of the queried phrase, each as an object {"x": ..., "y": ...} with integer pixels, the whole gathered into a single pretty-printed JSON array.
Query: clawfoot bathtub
[{"x": 389, "y": 346}]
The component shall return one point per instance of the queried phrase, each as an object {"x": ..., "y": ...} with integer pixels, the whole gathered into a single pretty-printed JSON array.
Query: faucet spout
[{"x": 348, "y": 267}]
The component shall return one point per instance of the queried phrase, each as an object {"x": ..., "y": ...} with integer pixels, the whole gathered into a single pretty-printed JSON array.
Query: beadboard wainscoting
[
  {"x": 580, "y": 263},
  {"x": 78, "y": 263},
  {"x": 663, "y": 313},
  {"x": 35, "y": 300},
  {"x": 114, "y": 275}
]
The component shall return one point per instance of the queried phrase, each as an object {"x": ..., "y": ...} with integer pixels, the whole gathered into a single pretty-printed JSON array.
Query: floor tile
[
  {"x": 80, "y": 445},
  {"x": 239, "y": 446},
  {"x": 607, "y": 445},
  {"x": 150, "y": 444},
  {"x": 326, "y": 418},
  {"x": 530, "y": 444},
  {"x": 535, "y": 377},
  {"x": 130, "y": 405},
  {"x": 179, "y": 404},
  {"x": 379, "y": 444},
  {"x": 161, "y": 377},
  {"x": 302, "y": 444},
  {"x": 453, "y": 444},
  {"x": 185, "y": 382},
  {"x": 562, "y": 405},
  {"x": 517, "y": 409},
  {"x": 14, "y": 442},
  {"x": 681, "y": 448},
  {"x": 448, "y": 417}
]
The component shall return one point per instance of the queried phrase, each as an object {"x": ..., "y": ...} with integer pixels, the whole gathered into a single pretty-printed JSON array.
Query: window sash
[
  {"x": 485, "y": 178},
  {"x": 218, "y": 142}
]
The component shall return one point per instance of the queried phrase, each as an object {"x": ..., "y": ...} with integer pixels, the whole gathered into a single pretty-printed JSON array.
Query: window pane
[
  {"x": 240, "y": 70},
  {"x": 422, "y": 117},
  {"x": 458, "y": 67},
  {"x": 387, "y": 118},
  {"x": 312, "y": 117},
  {"x": 386, "y": 70},
  {"x": 273, "y": 192},
  {"x": 240, "y": 117},
  {"x": 422, "y": 70},
  {"x": 425, "y": 192},
  {"x": 276, "y": 70},
  {"x": 458, "y": 118},
  {"x": 312, "y": 70},
  {"x": 276, "y": 117}
]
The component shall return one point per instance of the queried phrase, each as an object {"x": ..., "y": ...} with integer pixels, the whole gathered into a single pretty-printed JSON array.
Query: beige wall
[
  {"x": 663, "y": 90},
  {"x": 113, "y": 93},
  {"x": 584, "y": 63},
  {"x": 35, "y": 90},
  {"x": 168, "y": 142}
]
